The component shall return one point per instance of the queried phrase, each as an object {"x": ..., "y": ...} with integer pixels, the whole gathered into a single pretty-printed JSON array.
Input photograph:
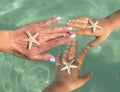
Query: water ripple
[
  {"x": 35, "y": 78},
  {"x": 11, "y": 6}
]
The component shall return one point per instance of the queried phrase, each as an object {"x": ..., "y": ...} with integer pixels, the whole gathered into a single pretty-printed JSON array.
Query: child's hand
[{"x": 100, "y": 28}]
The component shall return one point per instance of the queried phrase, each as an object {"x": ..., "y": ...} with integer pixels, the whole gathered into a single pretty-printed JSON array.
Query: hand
[
  {"x": 69, "y": 78},
  {"x": 43, "y": 39},
  {"x": 101, "y": 32}
]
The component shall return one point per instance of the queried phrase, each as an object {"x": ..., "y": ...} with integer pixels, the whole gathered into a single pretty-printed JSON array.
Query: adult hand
[
  {"x": 31, "y": 40},
  {"x": 68, "y": 68}
]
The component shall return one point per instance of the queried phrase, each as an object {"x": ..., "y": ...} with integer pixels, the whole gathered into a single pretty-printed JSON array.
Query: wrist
[
  {"x": 114, "y": 19},
  {"x": 5, "y": 40},
  {"x": 56, "y": 86}
]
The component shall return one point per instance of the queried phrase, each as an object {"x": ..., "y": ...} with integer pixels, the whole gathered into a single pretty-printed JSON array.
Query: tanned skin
[
  {"x": 63, "y": 81},
  {"x": 108, "y": 24},
  {"x": 48, "y": 37}
]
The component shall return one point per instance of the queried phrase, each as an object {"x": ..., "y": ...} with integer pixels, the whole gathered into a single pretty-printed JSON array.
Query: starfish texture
[
  {"x": 31, "y": 39},
  {"x": 94, "y": 25},
  {"x": 68, "y": 66}
]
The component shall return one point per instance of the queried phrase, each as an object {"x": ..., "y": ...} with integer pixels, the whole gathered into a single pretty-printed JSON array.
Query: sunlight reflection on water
[{"x": 18, "y": 75}]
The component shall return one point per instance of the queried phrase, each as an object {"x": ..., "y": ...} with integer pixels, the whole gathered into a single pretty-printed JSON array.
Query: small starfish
[
  {"x": 68, "y": 66},
  {"x": 94, "y": 25},
  {"x": 31, "y": 39}
]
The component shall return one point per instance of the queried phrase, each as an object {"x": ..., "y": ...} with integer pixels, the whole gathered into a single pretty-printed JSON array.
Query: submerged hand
[
  {"x": 68, "y": 68},
  {"x": 100, "y": 28},
  {"x": 30, "y": 40}
]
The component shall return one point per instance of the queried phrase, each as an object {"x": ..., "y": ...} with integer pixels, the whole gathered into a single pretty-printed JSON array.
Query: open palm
[
  {"x": 68, "y": 68},
  {"x": 101, "y": 32},
  {"x": 31, "y": 40}
]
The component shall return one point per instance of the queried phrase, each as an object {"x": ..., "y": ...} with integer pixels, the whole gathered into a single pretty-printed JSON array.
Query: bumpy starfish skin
[
  {"x": 31, "y": 39},
  {"x": 94, "y": 25},
  {"x": 68, "y": 66}
]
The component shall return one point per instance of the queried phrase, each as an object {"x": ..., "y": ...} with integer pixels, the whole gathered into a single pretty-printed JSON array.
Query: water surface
[{"x": 19, "y": 75}]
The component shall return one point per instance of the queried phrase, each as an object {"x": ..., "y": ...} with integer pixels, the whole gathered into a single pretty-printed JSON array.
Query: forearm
[
  {"x": 55, "y": 87},
  {"x": 114, "y": 19},
  {"x": 5, "y": 40}
]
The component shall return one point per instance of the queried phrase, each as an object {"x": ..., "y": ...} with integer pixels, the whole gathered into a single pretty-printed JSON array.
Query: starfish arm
[
  {"x": 30, "y": 45},
  {"x": 99, "y": 27},
  {"x": 94, "y": 29},
  {"x": 74, "y": 66},
  {"x": 90, "y": 26},
  {"x": 96, "y": 22},
  {"x": 72, "y": 61},
  {"x": 68, "y": 69},
  {"x": 65, "y": 63},
  {"x": 25, "y": 40},
  {"x": 28, "y": 33},
  {"x": 91, "y": 22},
  {"x": 36, "y": 42},
  {"x": 35, "y": 35},
  {"x": 65, "y": 67}
]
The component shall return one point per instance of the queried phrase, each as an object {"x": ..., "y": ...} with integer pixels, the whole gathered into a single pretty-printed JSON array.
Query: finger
[
  {"x": 48, "y": 22},
  {"x": 43, "y": 57},
  {"x": 55, "y": 42},
  {"x": 77, "y": 25},
  {"x": 86, "y": 77},
  {"x": 82, "y": 80},
  {"x": 81, "y": 56},
  {"x": 58, "y": 59},
  {"x": 72, "y": 52},
  {"x": 85, "y": 32},
  {"x": 65, "y": 56},
  {"x": 55, "y": 36},
  {"x": 18, "y": 55},
  {"x": 57, "y": 30},
  {"x": 96, "y": 41},
  {"x": 80, "y": 20}
]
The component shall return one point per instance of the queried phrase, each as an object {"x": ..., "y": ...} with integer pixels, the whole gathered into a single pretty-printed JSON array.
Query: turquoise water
[{"x": 19, "y": 75}]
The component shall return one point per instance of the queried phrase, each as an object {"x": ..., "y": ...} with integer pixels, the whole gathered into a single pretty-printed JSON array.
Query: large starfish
[
  {"x": 31, "y": 39},
  {"x": 68, "y": 66},
  {"x": 94, "y": 25}
]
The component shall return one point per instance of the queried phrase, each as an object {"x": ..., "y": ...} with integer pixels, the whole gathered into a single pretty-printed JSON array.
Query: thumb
[
  {"x": 86, "y": 77},
  {"x": 82, "y": 80},
  {"x": 44, "y": 57}
]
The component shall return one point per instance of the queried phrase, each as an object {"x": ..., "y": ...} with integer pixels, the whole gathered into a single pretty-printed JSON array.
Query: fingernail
[
  {"x": 69, "y": 42},
  {"x": 74, "y": 40},
  {"x": 91, "y": 74},
  {"x": 52, "y": 59},
  {"x": 88, "y": 47},
  {"x": 58, "y": 18},
  {"x": 73, "y": 35},
  {"x": 68, "y": 23},
  {"x": 69, "y": 28},
  {"x": 69, "y": 20},
  {"x": 64, "y": 35}
]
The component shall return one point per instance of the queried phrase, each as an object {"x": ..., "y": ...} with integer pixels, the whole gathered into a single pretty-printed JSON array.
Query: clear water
[{"x": 19, "y": 75}]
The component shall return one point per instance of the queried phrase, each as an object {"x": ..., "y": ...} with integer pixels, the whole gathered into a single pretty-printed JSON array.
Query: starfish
[
  {"x": 68, "y": 66},
  {"x": 94, "y": 25},
  {"x": 31, "y": 39}
]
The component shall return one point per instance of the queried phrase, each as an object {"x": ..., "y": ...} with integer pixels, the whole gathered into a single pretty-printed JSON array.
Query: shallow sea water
[{"x": 19, "y": 75}]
